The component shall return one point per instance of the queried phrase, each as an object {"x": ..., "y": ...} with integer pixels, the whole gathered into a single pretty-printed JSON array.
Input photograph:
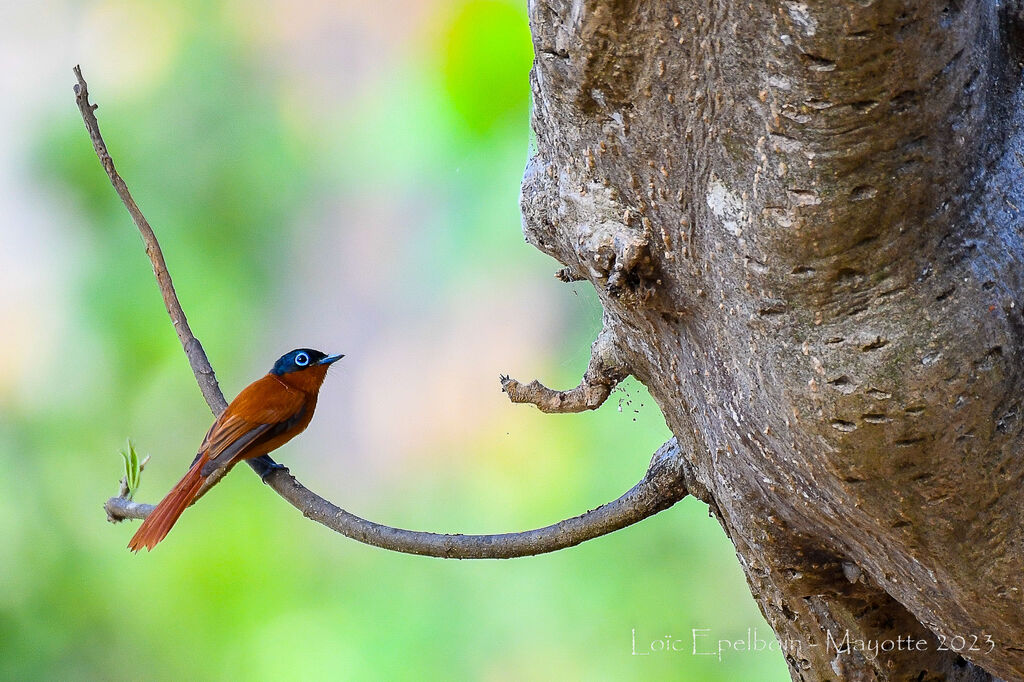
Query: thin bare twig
[
  {"x": 197, "y": 360},
  {"x": 193, "y": 349},
  {"x": 661, "y": 487}
]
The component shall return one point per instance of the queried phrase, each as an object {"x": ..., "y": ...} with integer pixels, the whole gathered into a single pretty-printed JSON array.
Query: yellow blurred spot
[{"x": 132, "y": 43}]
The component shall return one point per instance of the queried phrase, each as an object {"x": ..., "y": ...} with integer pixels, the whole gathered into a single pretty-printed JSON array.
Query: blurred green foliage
[
  {"x": 486, "y": 55},
  {"x": 248, "y": 589}
]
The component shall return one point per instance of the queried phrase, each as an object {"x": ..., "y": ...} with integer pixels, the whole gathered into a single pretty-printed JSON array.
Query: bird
[{"x": 268, "y": 413}]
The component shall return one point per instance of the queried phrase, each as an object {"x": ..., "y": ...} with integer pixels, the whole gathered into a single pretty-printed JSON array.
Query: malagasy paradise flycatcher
[{"x": 268, "y": 413}]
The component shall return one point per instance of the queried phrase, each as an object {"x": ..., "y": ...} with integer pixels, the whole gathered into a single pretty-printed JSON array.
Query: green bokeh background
[{"x": 244, "y": 173}]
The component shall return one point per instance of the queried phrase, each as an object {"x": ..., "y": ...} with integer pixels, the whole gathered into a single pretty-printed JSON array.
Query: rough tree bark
[{"x": 804, "y": 223}]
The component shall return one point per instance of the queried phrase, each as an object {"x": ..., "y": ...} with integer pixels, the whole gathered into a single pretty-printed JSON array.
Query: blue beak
[{"x": 330, "y": 359}]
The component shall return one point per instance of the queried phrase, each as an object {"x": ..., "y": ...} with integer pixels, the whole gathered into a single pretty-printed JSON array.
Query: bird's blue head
[{"x": 300, "y": 359}]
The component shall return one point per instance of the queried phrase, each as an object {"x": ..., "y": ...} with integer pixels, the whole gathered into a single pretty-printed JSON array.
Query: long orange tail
[{"x": 160, "y": 521}]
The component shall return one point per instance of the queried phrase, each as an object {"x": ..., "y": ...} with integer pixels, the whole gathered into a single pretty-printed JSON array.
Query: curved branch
[
  {"x": 602, "y": 375},
  {"x": 662, "y": 486}
]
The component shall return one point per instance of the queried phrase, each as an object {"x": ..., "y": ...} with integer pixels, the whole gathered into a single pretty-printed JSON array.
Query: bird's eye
[{"x": 301, "y": 359}]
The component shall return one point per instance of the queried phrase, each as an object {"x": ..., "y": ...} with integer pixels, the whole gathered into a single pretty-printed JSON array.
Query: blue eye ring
[{"x": 301, "y": 359}]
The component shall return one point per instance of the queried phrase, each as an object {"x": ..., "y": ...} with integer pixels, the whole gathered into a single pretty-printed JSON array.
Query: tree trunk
[{"x": 803, "y": 219}]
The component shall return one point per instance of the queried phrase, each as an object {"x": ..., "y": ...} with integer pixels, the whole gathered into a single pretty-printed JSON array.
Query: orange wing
[{"x": 258, "y": 410}]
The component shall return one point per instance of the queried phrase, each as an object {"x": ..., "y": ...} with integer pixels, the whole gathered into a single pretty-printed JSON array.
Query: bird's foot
[
  {"x": 270, "y": 468},
  {"x": 263, "y": 466}
]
